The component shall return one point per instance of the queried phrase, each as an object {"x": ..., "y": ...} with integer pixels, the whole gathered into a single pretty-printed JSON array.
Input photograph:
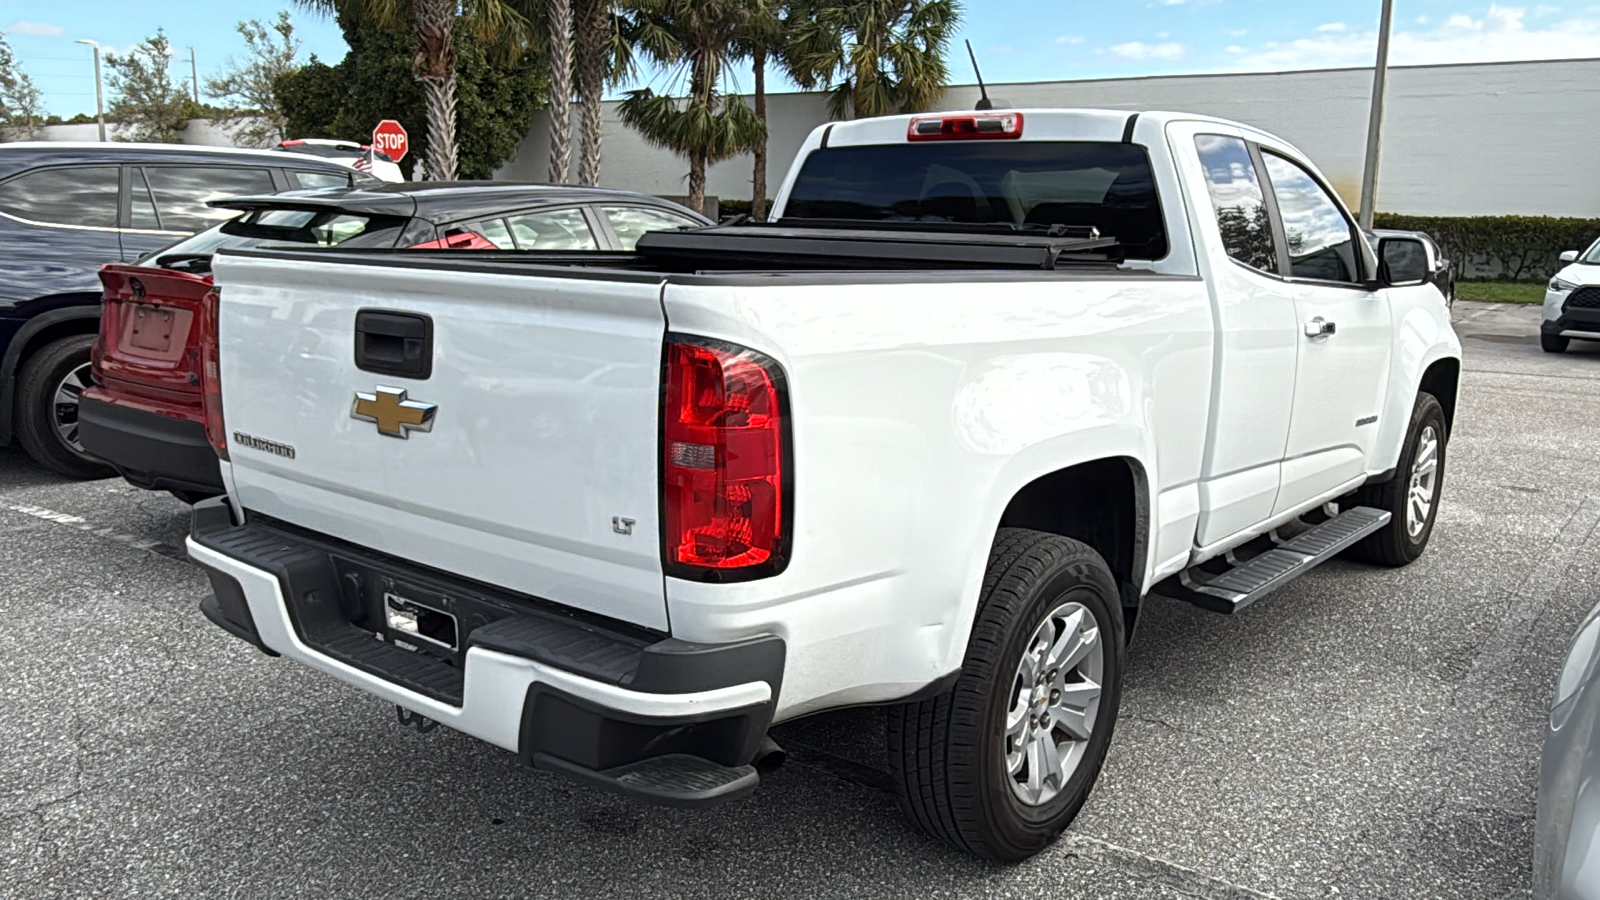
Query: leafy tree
[
  {"x": 144, "y": 99},
  {"x": 251, "y": 111},
  {"x": 432, "y": 25},
  {"x": 709, "y": 125},
  {"x": 79, "y": 119},
  {"x": 875, "y": 57},
  {"x": 496, "y": 100},
  {"x": 20, "y": 111}
]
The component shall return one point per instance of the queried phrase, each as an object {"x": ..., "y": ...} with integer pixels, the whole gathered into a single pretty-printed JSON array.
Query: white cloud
[
  {"x": 1500, "y": 34},
  {"x": 37, "y": 29},
  {"x": 1070, "y": 39},
  {"x": 1238, "y": 32},
  {"x": 1333, "y": 28},
  {"x": 1141, "y": 50}
]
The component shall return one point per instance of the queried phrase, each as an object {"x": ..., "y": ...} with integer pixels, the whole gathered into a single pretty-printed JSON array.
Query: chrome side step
[{"x": 1244, "y": 584}]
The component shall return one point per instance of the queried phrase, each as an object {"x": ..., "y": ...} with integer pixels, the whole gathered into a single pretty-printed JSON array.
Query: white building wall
[
  {"x": 1485, "y": 139},
  {"x": 201, "y": 132}
]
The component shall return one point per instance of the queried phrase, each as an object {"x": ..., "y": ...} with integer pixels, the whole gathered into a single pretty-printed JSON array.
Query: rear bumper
[
  {"x": 661, "y": 719},
  {"x": 151, "y": 451}
]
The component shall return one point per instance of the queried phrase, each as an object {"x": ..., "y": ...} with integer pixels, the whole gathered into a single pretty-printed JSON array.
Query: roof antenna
[{"x": 983, "y": 92}]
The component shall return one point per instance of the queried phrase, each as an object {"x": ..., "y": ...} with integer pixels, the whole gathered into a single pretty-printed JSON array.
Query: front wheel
[
  {"x": 1553, "y": 343},
  {"x": 1001, "y": 763},
  {"x": 48, "y": 394},
  {"x": 1411, "y": 497}
]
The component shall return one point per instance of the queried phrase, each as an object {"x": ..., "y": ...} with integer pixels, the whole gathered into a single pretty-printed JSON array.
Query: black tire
[
  {"x": 1553, "y": 343},
  {"x": 36, "y": 409},
  {"x": 1394, "y": 544},
  {"x": 947, "y": 753}
]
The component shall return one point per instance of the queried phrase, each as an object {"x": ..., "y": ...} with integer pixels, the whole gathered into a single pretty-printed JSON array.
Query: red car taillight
[
  {"x": 725, "y": 487},
  {"x": 210, "y": 375}
]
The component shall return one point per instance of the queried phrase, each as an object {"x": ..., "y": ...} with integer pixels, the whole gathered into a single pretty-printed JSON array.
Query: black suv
[{"x": 67, "y": 208}]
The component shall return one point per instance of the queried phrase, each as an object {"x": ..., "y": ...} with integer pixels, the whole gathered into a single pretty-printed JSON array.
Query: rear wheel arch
[
  {"x": 1105, "y": 504},
  {"x": 36, "y": 333}
]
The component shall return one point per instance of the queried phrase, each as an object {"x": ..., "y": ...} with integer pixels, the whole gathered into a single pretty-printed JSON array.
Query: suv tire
[
  {"x": 40, "y": 418},
  {"x": 951, "y": 755}
]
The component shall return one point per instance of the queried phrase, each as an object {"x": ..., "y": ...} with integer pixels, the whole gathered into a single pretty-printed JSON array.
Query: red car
[{"x": 145, "y": 413}]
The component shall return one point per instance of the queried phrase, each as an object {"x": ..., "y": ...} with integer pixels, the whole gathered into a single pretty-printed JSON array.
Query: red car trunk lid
[{"x": 149, "y": 345}]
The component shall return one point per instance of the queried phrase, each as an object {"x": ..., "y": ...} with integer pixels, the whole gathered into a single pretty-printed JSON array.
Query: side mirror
[
  {"x": 1402, "y": 261},
  {"x": 1569, "y": 256}
]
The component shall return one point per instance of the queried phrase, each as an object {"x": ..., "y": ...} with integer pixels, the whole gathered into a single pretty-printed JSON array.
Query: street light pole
[
  {"x": 1380, "y": 85},
  {"x": 99, "y": 92},
  {"x": 194, "y": 76}
]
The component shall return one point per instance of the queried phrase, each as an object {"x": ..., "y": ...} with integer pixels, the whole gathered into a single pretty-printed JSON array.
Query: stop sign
[{"x": 391, "y": 138}]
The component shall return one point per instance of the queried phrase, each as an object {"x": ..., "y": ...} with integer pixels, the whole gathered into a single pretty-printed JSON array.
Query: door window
[
  {"x": 494, "y": 231},
  {"x": 181, "y": 194},
  {"x": 552, "y": 229},
  {"x": 1320, "y": 240},
  {"x": 631, "y": 222},
  {"x": 320, "y": 179},
  {"x": 73, "y": 195},
  {"x": 1240, "y": 204},
  {"x": 143, "y": 207}
]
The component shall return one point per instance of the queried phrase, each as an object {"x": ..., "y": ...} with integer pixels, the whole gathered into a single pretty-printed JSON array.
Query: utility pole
[
  {"x": 99, "y": 92},
  {"x": 1380, "y": 85},
  {"x": 194, "y": 76}
]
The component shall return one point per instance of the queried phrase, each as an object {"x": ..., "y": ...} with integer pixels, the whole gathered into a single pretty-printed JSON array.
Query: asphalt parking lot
[{"x": 1362, "y": 733}]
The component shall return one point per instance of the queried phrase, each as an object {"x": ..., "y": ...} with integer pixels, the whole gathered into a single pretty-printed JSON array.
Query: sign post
[{"x": 390, "y": 137}]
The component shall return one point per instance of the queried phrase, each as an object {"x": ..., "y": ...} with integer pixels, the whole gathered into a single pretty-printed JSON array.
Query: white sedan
[{"x": 1572, "y": 301}]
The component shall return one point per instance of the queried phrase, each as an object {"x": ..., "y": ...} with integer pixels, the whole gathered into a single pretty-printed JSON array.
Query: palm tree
[
  {"x": 709, "y": 125},
  {"x": 500, "y": 21},
  {"x": 560, "y": 50},
  {"x": 876, "y": 57},
  {"x": 761, "y": 41},
  {"x": 604, "y": 58}
]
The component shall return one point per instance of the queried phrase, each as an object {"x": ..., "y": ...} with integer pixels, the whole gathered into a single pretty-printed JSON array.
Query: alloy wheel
[{"x": 1055, "y": 699}]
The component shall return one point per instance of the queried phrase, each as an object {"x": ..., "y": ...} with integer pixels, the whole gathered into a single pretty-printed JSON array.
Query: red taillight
[
  {"x": 211, "y": 375},
  {"x": 999, "y": 126},
  {"x": 724, "y": 494}
]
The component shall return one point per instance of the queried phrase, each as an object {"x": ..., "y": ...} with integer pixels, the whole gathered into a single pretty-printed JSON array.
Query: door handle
[{"x": 1320, "y": 327}]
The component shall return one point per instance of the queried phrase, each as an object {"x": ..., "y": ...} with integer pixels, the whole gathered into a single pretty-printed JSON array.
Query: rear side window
[
  {"x": 320, "y": 179},
  {"x": 631, "y": 222},
  {"x": 288, "y": 228},
  {"x": 1034, "y": 183},
  {"x": 1240, "y": 204},
  {"x": 555, "y": 229},
  {"x": 181, "y": 194},
  {"x": 72, "y": 195}
]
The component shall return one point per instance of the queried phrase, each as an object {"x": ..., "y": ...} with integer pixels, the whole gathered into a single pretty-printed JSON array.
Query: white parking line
[{"x": 159, "y": 548}]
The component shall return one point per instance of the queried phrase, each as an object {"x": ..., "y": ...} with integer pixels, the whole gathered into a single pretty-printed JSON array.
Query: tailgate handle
[{"x": 394, "y": 343}]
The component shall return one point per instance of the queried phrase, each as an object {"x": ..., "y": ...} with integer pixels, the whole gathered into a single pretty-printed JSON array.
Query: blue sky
[{"x": 1017, "y": 40}]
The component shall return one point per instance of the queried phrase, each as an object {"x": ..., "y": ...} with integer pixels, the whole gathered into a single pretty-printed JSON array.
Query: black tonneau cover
[{"x": 877, "y": 246}]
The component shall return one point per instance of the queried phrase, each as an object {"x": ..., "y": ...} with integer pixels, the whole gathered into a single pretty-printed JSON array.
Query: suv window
[
  {"x": 1240, "y": 204},
  {"x": 1096, "y": 183},
  {"x": 1321, "y": 241},
  {"x": 71, "y": 195},
  {"x": 181, "y": 193},
  {"x": 553, "y": 229},
  {"x": 631, "y": 222}
]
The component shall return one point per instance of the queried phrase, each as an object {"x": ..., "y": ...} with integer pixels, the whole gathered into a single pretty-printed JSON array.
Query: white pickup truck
[{"x": 927, "y": 439}]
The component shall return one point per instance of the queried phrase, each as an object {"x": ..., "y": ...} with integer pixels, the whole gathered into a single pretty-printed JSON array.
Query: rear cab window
[{"x": 1108, "y": 186}]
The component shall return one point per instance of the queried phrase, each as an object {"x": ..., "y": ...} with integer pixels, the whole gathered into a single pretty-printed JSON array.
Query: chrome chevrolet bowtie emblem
[{"x": 394, "y": 415}]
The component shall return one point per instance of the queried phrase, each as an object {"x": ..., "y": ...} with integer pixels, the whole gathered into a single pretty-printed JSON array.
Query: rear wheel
[
  {"x": 1000, "y": 764},
  {"x": 48, "y": 393},
  {"x": 1553, "y": 343},
  {"x": 1411, "y": 497}
]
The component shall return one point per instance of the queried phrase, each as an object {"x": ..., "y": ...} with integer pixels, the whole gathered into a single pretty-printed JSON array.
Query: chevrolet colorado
[{"x": 926, "y": 439}]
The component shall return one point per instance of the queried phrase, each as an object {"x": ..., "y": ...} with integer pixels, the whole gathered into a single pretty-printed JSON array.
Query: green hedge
[{"x": 1513, "y": 248}]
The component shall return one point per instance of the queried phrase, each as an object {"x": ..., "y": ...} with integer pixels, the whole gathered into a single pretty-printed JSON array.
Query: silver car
[{"x": 1566, "y": 844}]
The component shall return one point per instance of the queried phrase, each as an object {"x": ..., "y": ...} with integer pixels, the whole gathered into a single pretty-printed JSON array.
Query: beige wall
[{"x": 1491, "y": 139}]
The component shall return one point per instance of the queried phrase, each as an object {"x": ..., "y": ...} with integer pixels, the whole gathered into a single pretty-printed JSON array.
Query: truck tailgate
[{"x": 538, "y": 469}]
